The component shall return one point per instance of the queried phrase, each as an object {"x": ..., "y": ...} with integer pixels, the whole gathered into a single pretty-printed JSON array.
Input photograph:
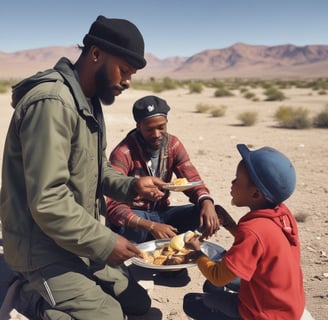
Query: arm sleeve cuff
[
  {"x": 204, "y": 197},
  {"x": 216, "y": 272}
]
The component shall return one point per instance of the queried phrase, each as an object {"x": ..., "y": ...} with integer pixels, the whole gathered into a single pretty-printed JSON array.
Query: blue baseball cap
[{"x": 271, "y": 171}]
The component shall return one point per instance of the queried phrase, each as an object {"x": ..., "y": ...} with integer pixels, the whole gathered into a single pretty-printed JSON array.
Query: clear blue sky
[{"x": 170, "y": 28}]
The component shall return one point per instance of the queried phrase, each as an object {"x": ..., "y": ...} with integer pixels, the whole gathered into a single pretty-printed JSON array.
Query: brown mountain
[{"x": 237, "y": 61}]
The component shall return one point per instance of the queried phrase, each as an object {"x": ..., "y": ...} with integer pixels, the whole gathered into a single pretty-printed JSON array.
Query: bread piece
[
  {"x": 180, "y": 181},
  {"x": 160, "y": 260},
  {"x": 147, "y": 257},
  {"x": 189, "y": 235}
]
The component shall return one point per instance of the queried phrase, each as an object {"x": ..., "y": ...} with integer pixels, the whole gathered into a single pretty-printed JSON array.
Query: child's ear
[{"x": 257, "y": 195}]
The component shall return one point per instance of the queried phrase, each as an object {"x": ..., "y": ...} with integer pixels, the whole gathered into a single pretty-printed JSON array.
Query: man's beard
[
  {"x": 148, "y": 146},
  {"x": 103, "y": 91}
]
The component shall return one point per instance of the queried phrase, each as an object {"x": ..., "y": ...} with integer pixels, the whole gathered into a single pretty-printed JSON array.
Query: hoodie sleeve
[{"x": 216, "y": 272}]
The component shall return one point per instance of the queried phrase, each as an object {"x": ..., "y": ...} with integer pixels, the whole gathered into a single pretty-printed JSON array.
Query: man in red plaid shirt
[{"x": 149, "y": 150}]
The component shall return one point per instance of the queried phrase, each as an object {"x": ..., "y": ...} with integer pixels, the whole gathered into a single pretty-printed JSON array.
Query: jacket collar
[{"x": 66, "y": 69}]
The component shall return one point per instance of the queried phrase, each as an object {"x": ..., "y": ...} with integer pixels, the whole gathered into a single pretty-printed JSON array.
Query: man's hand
[
  {"x": 122, "y": 251},
  {"x": 209, "y": 221},
  {"x": 162, "y": 230},
  {"x": 148, "y": 188}
]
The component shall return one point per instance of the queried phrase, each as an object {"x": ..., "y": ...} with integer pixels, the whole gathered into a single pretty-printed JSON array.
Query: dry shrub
[
  {"x": 293, "y": 118},
  {"x": 321, "y": 119},
  {"x": 202, "y": 107},
  {"x": 248, "y": 118},
  {"x": 301, "y": 217},
  {"x": 218, "y": 111}
]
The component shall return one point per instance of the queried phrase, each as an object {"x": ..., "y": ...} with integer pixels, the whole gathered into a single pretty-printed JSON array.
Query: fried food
[
  {"x": 166, "y": 255},
  {"x": 160, "y": 260},
  {"x": 180, "y": 181},
  {"x": 178, "y": 242},
  {"x": 147, "y": 257}
]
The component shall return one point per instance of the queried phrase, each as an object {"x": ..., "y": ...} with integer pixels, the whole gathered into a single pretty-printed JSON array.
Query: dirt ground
[{"x": 211, "y": 143}]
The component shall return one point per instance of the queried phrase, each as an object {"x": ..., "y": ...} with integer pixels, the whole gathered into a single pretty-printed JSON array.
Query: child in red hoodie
[{"x": 265, "y": 254}]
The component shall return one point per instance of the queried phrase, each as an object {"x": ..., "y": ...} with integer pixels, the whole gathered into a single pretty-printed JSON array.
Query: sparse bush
[
  {"x": 248, "y": 118},
  {"x": 202, "y": 108},
  {"x": 222, "y": 92},
  {"x": 156, "y": 85},
  {"x": 292, "y": 118},
  {"x": 170, "y": 84},
  {"x": 218, "y": 111},
  {"x": 274, "y": 94},
  {"x": 249, "y": 95},
  {"x": 5, "y": 85},
  {"x": 301, "y": 217},
  {"x": 195, "y": 87},
  {"x": 321, "y": 119}
]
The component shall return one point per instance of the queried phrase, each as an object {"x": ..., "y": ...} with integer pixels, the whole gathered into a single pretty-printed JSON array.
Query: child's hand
[
  {"x": 225, "y": 219},
  {"x": 194, "y": 243}
]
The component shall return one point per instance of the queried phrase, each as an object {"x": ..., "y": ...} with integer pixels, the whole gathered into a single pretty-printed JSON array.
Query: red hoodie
[{"x": 266, "y": 256}]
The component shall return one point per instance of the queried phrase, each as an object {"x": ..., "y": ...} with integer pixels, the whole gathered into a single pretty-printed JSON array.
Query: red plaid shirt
[{"x": 131, "y": 159}]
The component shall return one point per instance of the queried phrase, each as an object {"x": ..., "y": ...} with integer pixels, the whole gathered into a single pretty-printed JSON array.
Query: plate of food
[
  {"x": 158, "y": 255},
  {"x": 181, "y": 184}
]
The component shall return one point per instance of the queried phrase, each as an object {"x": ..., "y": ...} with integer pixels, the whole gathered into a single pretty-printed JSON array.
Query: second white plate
[{"x": 182, "y": 187}]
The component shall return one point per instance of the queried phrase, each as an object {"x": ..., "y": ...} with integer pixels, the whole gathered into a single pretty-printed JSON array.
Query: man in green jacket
[{"x": 55, "y": 175}]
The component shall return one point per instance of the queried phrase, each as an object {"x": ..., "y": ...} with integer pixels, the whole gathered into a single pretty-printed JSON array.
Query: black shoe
[
  {"x": 172, "y": 278},
  {"x": 174, "y": 273}
]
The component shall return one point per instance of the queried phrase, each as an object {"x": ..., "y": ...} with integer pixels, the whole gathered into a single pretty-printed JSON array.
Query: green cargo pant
[{"x": 76, "y": 289}]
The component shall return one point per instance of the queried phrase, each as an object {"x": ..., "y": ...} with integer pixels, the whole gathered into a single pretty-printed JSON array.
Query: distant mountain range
[{"x": 237, "y": 61}]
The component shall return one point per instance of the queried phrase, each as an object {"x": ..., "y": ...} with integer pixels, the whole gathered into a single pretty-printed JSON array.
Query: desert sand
[{"x": 211, "y": 143}]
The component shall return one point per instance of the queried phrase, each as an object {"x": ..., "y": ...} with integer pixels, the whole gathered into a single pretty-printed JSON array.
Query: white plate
[
  {"x": 212, "y": 250},
  {"x": 182, "y": 187}
]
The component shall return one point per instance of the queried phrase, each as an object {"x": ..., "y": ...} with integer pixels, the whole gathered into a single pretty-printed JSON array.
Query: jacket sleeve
[
  {"x": 119, "y": 213},
  {"x": 51, "y": 201},
  {"x": 184, "y": 168},
  {"x": 115, "y": 183}
]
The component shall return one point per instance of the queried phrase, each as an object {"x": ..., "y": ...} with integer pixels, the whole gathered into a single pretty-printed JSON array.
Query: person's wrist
[
  {"x": 133, "y": 188},
  {"x": 151, "y": 227},
  {"x": 205, "y": 198},
  {"x": 197, "y": 254}
]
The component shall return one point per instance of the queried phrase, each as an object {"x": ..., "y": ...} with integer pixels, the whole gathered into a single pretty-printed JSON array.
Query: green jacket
[{"x": 50, "y": 174}]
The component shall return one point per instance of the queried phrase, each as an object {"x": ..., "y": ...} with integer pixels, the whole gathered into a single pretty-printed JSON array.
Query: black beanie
[{"x": 118, "y": 37}]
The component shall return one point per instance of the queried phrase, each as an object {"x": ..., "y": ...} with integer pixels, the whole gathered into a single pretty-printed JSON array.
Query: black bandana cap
[{"x": 149, "y": 106}]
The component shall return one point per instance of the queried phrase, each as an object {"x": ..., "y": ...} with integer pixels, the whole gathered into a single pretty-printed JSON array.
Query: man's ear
[{"x": 95, "y": 53}]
